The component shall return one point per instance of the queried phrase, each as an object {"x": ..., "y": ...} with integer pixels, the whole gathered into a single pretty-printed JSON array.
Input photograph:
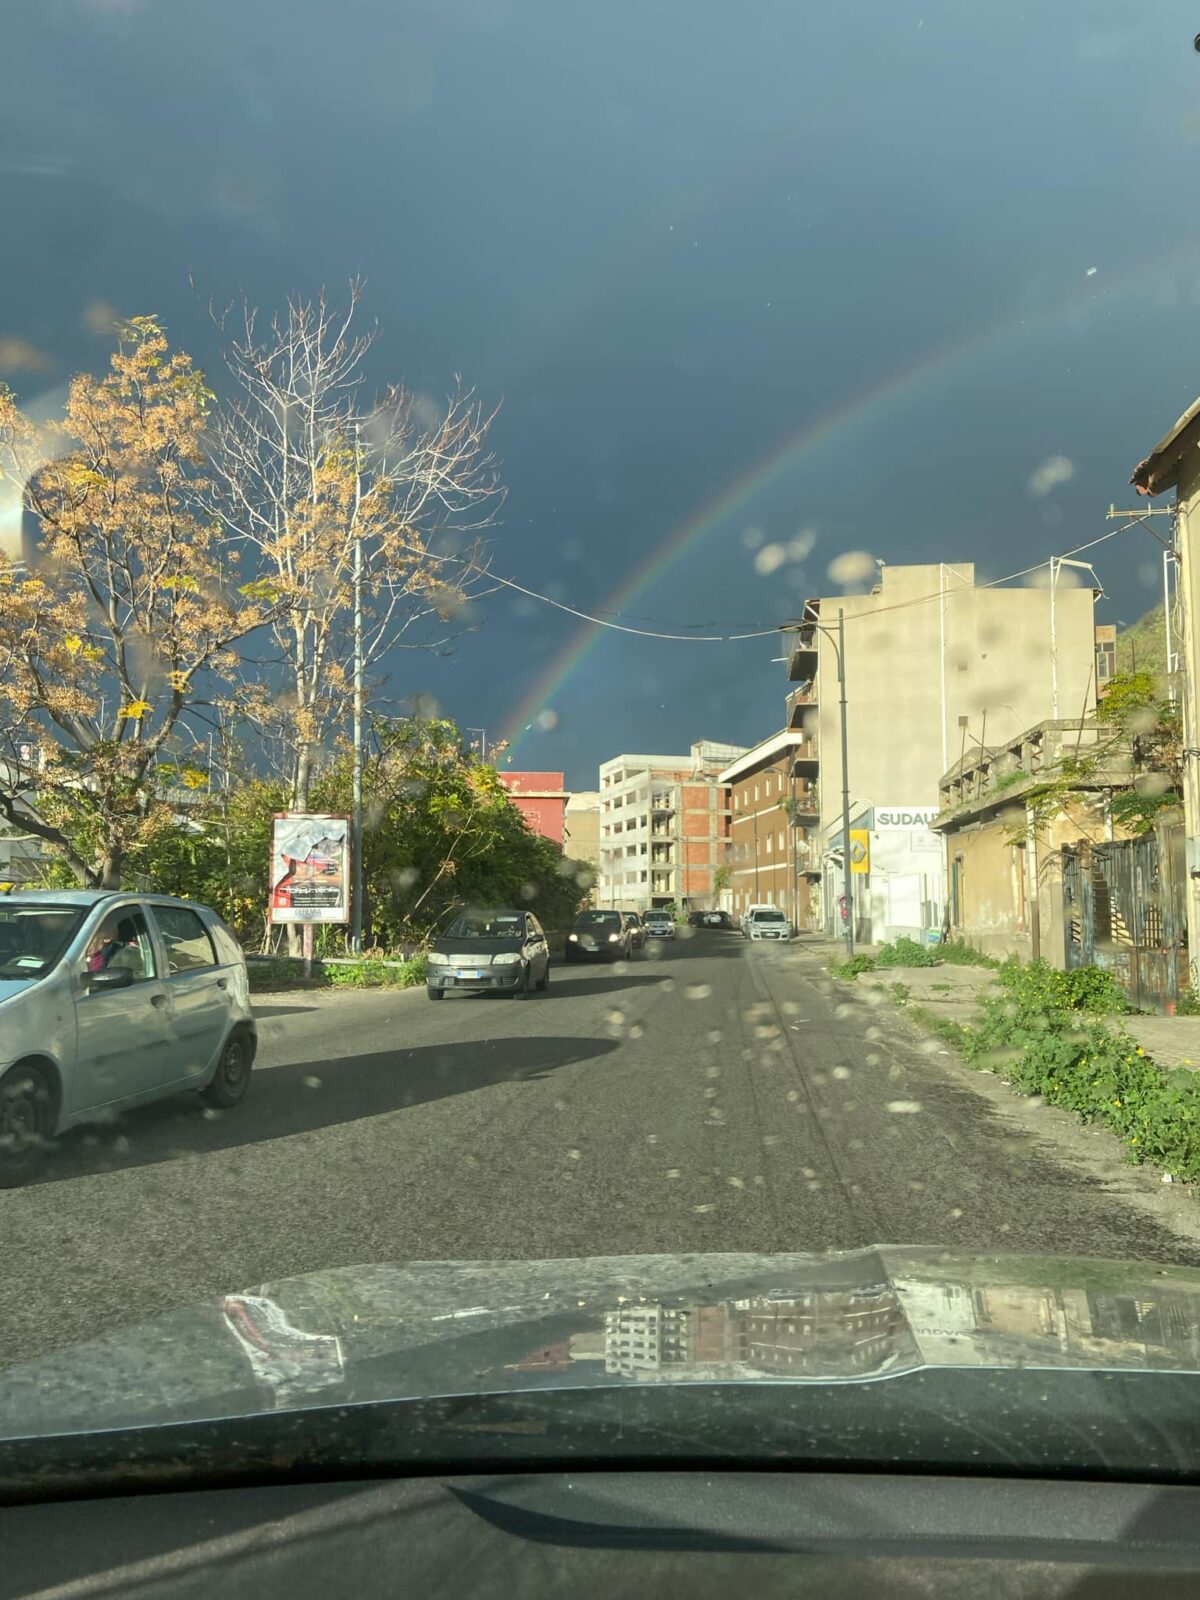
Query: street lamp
[
  {"x": 838, "y": 643},
  {"x": 1057, "y": 563}
]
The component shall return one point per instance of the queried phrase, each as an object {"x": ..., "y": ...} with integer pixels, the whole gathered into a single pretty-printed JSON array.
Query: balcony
[
  {"x": 802, "y": 663},
  {"x": 805, "y": 761},
  {"x": 662, "y": 804},
  {"x": 807, "y": 810},
  {"x": 800, "y": 704}
]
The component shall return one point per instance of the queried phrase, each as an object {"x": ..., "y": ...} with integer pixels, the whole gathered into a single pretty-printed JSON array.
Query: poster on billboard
[{"x": 310, "y": 867}]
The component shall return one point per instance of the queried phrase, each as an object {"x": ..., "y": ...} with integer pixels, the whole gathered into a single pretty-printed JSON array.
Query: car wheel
[
  {"x": 232, "y": 1077},
  {"x": 545, "y": 982},
  {"x": 521, "y": 992},
  {"x": 26, "y": 1120},
  {"x": 436, "y": 994}
]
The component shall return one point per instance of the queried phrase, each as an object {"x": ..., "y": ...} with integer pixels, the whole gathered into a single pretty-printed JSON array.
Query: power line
[{"x": 760, "y": 633}]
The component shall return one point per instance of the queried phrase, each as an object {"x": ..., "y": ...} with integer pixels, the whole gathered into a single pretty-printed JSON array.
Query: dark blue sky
[{"x": 668, "y": 237}]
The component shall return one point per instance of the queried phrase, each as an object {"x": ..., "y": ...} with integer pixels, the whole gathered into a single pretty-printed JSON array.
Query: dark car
[
  {"x": 637, "y": 934},
  {"x": 716, "y": 919},
  {"x": 600, "y": 936},
  {"x": 489, "y": 952},
  {"x": 695, "y": 919}
]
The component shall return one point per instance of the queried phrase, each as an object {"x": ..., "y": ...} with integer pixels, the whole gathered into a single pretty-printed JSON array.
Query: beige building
[
  {"x": 664, "y": 828},
  {"x": 1005, "y": 862},
  {"x": 1174, "y": 463},
  {"x": 581, "y": 833},
  {"x": 935, "y": 664}
]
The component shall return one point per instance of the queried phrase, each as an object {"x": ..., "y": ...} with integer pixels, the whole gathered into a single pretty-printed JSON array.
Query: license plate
[{"x": 470, "y": 974}]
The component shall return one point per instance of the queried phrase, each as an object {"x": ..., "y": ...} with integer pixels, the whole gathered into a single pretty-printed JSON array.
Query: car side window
[
  {"x": 121, "y": 942},
  {"x": 535, "y": 929},
  {"x": 189, "y": 947}
]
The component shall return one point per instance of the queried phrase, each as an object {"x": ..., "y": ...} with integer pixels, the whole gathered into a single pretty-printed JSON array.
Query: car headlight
[
  {"x": 508, "y": 960},
  {"x": 573, "y": 937},
  {"x": 614, "y": 938},
  {"x": 437, "y": 959}
]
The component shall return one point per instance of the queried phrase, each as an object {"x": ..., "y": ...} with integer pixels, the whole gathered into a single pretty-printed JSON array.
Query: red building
[{"x": 541, "y": 799}]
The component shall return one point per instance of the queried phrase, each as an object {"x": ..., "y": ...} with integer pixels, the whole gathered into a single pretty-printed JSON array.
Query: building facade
[
  {"x": 934, "y": 664},
  {"x": 664, "y": 828},
  {"x": 770, "y": 806},
  {"x": 541, "y": 798},
  {"x": 581, "y": 834}
]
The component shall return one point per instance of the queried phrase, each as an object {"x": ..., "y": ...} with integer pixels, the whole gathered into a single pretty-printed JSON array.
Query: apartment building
[
  {"x": 664, "y": 828},
  {"x": 541, "y": 798},
  {"x": 771, "y": 808},
  {"x": 934, "y": 664}
]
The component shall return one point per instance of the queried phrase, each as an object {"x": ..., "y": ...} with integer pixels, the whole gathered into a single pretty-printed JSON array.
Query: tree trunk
[{"x": 105, "y": 872}]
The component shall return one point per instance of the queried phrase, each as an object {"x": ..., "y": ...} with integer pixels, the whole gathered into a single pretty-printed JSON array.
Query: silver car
[{"x": 110, "y": 999}]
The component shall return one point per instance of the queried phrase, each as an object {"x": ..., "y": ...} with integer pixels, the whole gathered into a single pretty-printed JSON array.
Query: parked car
[
  {"x": 599, "y": 936},
  {"x": 109, "y": 1000},
  {"x": 717, "y": 919},
  {"x": 659, "y": 924},
  {"x": 695, "y": 919},
  {"x": 768, "y": 924},
  {"x": 637, "y": 934},
  {"x": 489, "y": 952}
]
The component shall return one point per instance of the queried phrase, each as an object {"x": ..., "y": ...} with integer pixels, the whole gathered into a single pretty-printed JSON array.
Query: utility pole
[
  {"x": 482, "y": 732},
  {"x": 1057, "y": 563},
  {"x": 356, "y": 820}
]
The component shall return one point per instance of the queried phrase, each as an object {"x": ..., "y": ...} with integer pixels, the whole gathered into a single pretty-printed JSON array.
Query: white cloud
[{"x": 1053, "y": 471}]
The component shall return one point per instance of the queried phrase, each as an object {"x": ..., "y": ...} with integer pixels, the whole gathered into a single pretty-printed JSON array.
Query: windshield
[
  {"x": 642, "y": 560},
  {"x": 499, "y": 926},
  {"x": 34, "y": 938}
]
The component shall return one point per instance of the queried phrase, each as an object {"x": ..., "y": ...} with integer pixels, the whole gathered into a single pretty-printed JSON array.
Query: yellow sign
[{"x": 860, "y": 850}]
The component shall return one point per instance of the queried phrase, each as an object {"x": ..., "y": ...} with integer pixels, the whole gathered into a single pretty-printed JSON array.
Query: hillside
[{"x": 1142, "y": 646}]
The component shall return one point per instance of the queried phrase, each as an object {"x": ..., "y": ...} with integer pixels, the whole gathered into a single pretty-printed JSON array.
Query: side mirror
[{"x": 109, "y": 978}]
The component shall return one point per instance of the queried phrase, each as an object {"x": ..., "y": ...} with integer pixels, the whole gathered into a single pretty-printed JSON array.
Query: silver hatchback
[{"x": 110, "y": 999}]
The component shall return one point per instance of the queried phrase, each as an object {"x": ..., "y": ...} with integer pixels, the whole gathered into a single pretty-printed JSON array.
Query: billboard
[{"x": 310, "y": 867}]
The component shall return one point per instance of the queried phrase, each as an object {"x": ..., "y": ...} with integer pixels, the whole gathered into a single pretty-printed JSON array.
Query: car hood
[
  {"x": 414, "y": 1331},
  {"x": 475, "y": 947}
]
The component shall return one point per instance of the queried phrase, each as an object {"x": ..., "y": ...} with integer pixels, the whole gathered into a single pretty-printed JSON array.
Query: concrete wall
[
  {"x": 928, "y": 649},
  {"x": 581, "y": 841}
]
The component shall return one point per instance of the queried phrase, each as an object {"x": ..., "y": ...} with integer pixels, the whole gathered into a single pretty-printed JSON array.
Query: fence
[{"x": 1124, "y": 909}]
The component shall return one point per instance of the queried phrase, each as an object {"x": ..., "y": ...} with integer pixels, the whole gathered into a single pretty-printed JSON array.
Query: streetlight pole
[{"x": 356, "y": 820}]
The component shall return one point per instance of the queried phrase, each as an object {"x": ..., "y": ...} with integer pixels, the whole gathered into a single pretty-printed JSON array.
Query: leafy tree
[{"x": 120, "y": 620}]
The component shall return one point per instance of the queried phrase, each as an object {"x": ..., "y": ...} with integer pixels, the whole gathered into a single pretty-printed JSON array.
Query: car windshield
[
  {"x": 501, "y": 926},
  {"x": 495, "y": 492},
  {"x": 34, "y": 938}
]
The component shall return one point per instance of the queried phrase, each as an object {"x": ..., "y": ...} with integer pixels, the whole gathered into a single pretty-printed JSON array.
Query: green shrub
[
  {"x": 850, "y": 969},
  {"x": 1041, "y": 987},
  {"x": 957, "y": 953},
  {"x": 1189, "y": 1004},
  {"x": 906, "y": 953},
  {"x": 900, "y": 992}
]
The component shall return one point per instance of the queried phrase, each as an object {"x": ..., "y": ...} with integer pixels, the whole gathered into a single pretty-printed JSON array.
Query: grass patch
[
  {"x": 850, "y": 969},
  {"x": 905, "y": 952},
  {"x": 373, "y": 973}
]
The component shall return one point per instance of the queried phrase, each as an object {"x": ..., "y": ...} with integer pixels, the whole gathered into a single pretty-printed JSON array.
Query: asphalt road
[{"x": 709, "y": 1096}]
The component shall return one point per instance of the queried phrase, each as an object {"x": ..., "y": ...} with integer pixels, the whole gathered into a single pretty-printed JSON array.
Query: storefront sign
[
  {"x": 860, "y": 850},
  {"x": 894, "y": 818}
]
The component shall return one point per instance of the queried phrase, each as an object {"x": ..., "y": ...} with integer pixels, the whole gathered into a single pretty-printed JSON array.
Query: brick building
[
  {"x": 771, "y": 861},
  {"x": 541, "y": 799},
  {"x": 664, "y": 828}
]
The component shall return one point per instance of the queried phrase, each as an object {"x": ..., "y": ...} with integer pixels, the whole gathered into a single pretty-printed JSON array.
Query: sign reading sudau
[
  {"x": 310, "y": 867},
  {"x": 891, "y": 818}
]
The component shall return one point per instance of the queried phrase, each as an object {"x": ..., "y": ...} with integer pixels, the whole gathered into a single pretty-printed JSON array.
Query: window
[
  {"x": 122, "y": 943},
  {"x": 188, "y": 946},
  {"x": 770, "y": 843}
]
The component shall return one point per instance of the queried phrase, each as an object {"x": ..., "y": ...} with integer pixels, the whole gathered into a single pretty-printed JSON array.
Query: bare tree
[{"x": 331, "y": 496}]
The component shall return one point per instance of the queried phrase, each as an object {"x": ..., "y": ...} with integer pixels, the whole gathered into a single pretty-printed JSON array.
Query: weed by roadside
[
  {"x": 956, "y": 953},
  {"x": 1052, "y": 1035}
]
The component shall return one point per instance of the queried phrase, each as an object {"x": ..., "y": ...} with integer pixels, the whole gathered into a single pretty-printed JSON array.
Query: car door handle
[
  {"x": 222, "y": 983},
  {"x": 158, "y": 999}
]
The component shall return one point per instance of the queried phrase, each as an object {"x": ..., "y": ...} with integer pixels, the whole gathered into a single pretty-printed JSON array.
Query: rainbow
[{"x": 868, "y": 406}]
